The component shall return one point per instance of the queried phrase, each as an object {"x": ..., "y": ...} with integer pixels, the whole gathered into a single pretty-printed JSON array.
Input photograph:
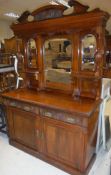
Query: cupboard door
[
  {"x": 64, "y": 142},
  {"x": 24, "y": 127}
]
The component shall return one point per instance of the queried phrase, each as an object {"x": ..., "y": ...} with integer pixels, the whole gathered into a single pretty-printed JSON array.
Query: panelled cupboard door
[
  {"x": 64, "y": 142},
  {"x": 23, "y": 127}
]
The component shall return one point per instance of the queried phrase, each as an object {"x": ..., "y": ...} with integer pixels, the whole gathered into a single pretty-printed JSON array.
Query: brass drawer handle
[
  {"x": 70, "y": 120},
  {"x": 26, "y": 108},
  {"x": 48, "y": 114},
  {"x": 13, "y": 104}
]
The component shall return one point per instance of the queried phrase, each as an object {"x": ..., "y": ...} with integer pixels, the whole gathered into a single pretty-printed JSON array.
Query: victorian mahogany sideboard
[
  {"x": 55, "y": 117},
  {"x": 54, "y": 128}
]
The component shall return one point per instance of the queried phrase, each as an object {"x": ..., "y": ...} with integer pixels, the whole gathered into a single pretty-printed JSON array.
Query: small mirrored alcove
[
  {"x": 58, "y": 61},
  {"x": 89, "y": 47},
  {"x": 31, "y": 53}
]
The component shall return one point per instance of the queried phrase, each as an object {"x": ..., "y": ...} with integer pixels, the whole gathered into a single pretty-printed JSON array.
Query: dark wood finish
[
  {"x": 78, "y": 8},
  {"x": 24, "y": 16},
  {"x": 2, "y": 119},
  {"x": 61, "y": 102},
  {"x": 32, "y": 80},
  {"x": 23, "y": 132},
  {"x": 107, "y": 62},
  {"x": 73, "y": 27},
  {"x": 107, "y": 73},
  {"x": 61, "y": 119},
  {"x": 108, "y": 42},
  {"x": 70, "y": 23},
  {"x": 63, "y": 132},
  {"x": 57, "y": 136}
]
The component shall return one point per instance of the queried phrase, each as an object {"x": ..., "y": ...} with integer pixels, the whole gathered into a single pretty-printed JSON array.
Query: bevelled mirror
[
  {"x": 58, "y": 60},
  {"x": 31, "y": 53},
  {"x": 89, "y": 47}
]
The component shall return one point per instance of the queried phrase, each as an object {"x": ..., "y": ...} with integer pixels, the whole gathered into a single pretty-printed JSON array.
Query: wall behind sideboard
[{"x": 5, "y": 31}]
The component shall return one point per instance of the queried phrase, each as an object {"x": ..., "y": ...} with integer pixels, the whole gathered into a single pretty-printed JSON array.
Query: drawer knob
[
  {"x": 26, "y": 108},
  {"x": 13, "y": 104},
  {"x": 70, "y": 120},
  {"x": 48, "y": 114}
]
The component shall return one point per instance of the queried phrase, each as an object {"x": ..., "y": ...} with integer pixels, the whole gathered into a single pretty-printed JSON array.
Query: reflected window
[
  {"x": 58, "y": 60},
  {"x": 89, "y": 47},
  {"x": 32, "y": 53}
]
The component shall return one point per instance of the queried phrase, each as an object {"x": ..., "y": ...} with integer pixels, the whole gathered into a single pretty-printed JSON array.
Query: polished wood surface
[
  {"x": 73, "y": 27},
  {"x": 57, "y": 121},
  {"x": 64, "y": 102},
  {"x": 70, "y": 23},
  {"x": 42, "y": 123}
]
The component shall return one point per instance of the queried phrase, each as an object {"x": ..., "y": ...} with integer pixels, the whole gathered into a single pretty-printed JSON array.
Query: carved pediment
[
  {"x": 78, "y": 7},
  {"x": 55, "y": 11},
  {"x": 48, "y": 12},
  {"x": 52, "y": 11}
]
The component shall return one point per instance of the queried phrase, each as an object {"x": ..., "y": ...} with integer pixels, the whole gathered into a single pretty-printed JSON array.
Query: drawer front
[
  {"x": 21, "y": 105},
  {"x": 62, "y": 116},
  {"x": 47, "y": 112}
]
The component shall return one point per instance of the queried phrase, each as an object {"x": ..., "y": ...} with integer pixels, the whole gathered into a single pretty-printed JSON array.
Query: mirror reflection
[
  {"x": 32, "y": 53},
  {"x": 58, "y": 60},
  {"x": 89, "y": 47}
]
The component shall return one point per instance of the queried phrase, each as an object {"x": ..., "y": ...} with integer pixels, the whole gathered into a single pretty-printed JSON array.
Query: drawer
[
  {"x": 21, "y": 105},
  {"x": 58, "y": 115}
]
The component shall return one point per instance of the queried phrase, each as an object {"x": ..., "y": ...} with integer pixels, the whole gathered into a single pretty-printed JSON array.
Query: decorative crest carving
[{"x": 78, "y": 7}]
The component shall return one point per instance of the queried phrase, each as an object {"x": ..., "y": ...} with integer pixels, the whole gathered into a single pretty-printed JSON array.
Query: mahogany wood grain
[
  {"x": 82, "y": 106},
  {"x": 58, "y": 122},
  {"x": 92, "y": 22},
  {"x": 66, "y": 23},
  {"x": 53, "y": 127}
]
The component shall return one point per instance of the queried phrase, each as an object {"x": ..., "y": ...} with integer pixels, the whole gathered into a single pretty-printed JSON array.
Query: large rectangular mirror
[{"x": 58, "y": 60}]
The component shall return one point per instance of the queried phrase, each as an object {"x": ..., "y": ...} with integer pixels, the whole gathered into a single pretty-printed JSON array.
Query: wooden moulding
[
  {"x": 59, "y": 25},
  {"x": 72, "y": 25},
  {"x": 52, "y": 11}
]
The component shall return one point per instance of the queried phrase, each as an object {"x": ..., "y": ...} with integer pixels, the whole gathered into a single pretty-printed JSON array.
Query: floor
[{"x": 15, "y": 162}]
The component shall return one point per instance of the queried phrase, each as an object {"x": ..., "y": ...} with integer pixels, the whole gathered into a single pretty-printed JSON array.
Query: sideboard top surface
[{"x": 66, "y": 103}]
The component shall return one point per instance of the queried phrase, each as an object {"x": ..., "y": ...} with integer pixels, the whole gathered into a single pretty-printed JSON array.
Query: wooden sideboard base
[
  {"x": 57, "y": 164},
  {"x": 61, "y": 132}
]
